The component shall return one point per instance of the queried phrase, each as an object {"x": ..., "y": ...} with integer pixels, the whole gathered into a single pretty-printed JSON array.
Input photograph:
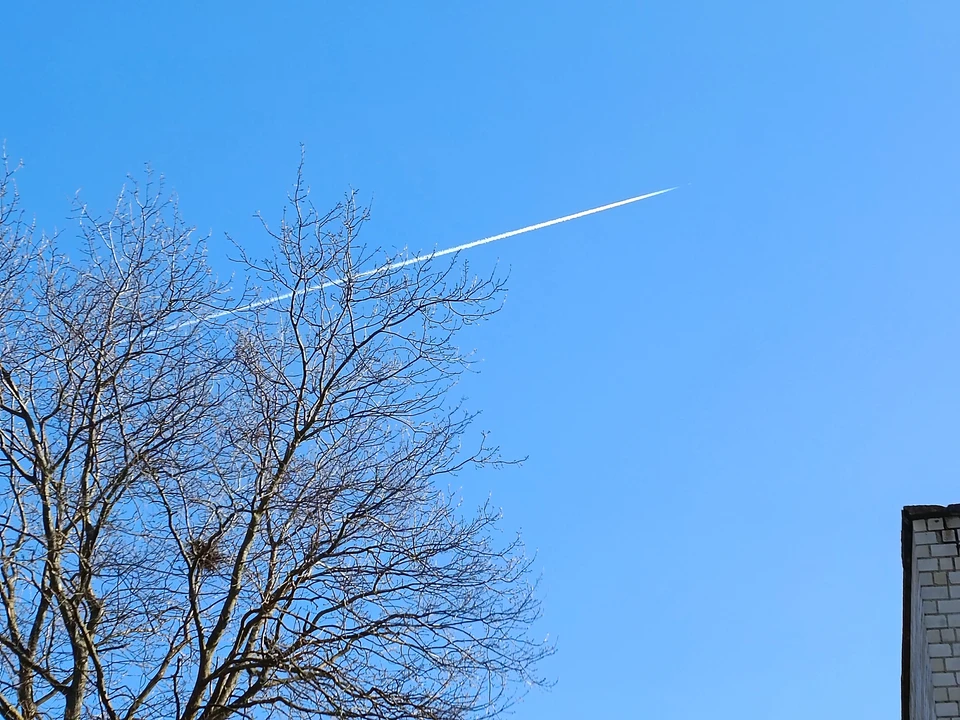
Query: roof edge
[{"x": 921, "y": 512}]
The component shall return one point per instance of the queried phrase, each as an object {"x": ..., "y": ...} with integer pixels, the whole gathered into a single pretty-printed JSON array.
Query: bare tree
[{"x": 241, "y": 516}]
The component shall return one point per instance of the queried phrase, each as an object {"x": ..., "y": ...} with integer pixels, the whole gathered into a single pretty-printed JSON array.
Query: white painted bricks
[{"x": 935, "y": 620}]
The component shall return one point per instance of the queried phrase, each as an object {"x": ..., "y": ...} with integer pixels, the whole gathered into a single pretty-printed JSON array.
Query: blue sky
[{"x": 726, "y": 393}]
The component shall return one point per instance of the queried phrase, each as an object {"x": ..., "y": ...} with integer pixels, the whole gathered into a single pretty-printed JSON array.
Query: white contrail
[{"x": 423, "y": 258}]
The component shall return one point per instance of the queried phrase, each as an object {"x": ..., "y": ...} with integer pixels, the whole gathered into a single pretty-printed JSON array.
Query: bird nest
[{"x": 206, "y": 554}]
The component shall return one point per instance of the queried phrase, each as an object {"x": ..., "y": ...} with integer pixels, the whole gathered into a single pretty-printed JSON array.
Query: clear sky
[{"x": 726, "y": 393}]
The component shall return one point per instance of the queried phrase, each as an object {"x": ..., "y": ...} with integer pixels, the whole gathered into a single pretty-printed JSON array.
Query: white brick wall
[{"x": 935, "y": 620}]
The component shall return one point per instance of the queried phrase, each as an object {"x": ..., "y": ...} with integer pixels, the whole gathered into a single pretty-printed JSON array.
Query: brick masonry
[{"x": 931, "y": 658}]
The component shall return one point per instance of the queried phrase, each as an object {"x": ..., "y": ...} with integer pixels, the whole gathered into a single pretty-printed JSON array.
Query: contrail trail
[{"x": 423, "y": 258}]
